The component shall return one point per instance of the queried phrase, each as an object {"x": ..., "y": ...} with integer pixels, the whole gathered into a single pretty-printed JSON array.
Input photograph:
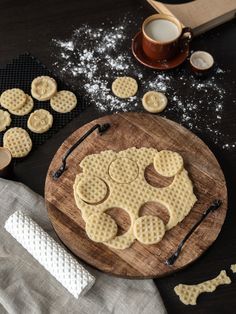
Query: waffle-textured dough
[
  {"x": 154, "y": 102},
  {"x": 178, "y": 197},
  {"x": 27, "y": 107},
  {"x": 168, "y": 163},
  {"x": 188, "y": 294},
  {"x": 101, "y": 227},
  {"x": 13, "y": 99},
  {"x": 18, "y": 141},
  {"x": 92, "y": 189},
  {"x": 43, "y": 88},
  {"x": 149, "y": 229},
  {"x": 5, "y": 120},
  {"x": 124, "y": 87},
  {"x": 40, "y": 121},
  {"x": 63, "y": 101}
]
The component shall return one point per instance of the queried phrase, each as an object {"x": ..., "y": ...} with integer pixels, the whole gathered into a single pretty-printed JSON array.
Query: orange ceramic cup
[{"x": 165, "y": 26}]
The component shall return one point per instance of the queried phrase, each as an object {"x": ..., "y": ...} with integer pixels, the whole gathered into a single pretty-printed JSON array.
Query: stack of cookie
[{"x": 43, "y": 88}]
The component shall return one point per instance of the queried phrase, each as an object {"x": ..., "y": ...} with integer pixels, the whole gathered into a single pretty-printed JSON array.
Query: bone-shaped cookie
[{"x": 188, "y": 294}]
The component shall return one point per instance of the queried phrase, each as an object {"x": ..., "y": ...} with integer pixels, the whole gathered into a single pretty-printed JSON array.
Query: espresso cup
[
  {"x": 5, "y": 161},
  {"x": 163, "y": 37}
]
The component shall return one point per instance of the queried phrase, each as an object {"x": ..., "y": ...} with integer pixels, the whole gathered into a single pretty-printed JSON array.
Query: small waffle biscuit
[
  {"x": 188, "y": 294},
  {"x": 40, "y": 121},
  {"x": 154, "y": 102},
  {"x": 13, "y": 99},
  {"x": 43, "y": 88},
  {"x": 27, "y": 107},
  {"x": 5, "y": 120},
  {"x": 18, "y": 141},
  {"x": 124, "y": 87},
  {"x": 168, "y": 163},
  {"x": 64, "y": 101},
  {"x": 101, "y": 227},
  {"x": 123, "y": 170},
  {"x": 149, "y": 229},
  {"x": 91, "y": 189}
]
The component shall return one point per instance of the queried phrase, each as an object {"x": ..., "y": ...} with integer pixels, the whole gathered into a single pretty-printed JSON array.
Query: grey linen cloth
[{"x": 26, "y": 287}]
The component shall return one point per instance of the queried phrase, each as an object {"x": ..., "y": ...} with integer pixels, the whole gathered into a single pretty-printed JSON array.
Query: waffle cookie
[
  {"x": 18, "y": 141},
  {"x": 154, "y": 102},
  {"x": 149, "y": 229},
  {"x": 188, "y": 294},
  {"x": 43, "y": 88},
  {"x": 101, "y": 227},
  {"x": 27, "y": 107},
  {"x": 40, "y": 121},
  {"x": 124, "y": 87},
  {"x": 92, "y": 189},
  {"x": 5, "y": 120},
  {"x": 63, "y": 101},
  {"x": 127, "y": 188},
  {"x": 13, "y": 99},
  {"x": 168, "y": 163}
]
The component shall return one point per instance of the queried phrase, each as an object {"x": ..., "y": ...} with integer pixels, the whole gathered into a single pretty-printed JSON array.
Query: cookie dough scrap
[
  {"x": 63, "y": 101},
  {"x": 188, "y": 294},
  {"x": 43, "y": 88},
  {"x": 122, "y": 179},
  {"x": 233, "y": 268},
  {"x": 13, "y": 99},
  {"x": 124, "y": 87},
  {"x": 18, "y": 141},
  {"x": 27, "y": 107},
  {"x": 5, "y": 120},
  {"x": 40, "y": 121},
  {"x": 154, "y": 102}
]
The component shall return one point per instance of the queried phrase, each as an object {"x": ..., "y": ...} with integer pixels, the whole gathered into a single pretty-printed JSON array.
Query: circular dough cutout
[
  {"x": 43, "y": 88},
  {"x": 92, "y": 190},
  {"x": 124, "y": 87},
  {"x": 27, "y": 107},
  {"x": 64, "y": 101},
  {"x": 13, "y": 99},
  {"x": 123, "y": 170},
  {"x": 149, "y": 229},
  {"x": 18, "y": 141},
  {"x": 168, "y": 163},
  {"x": 154, "y": 102},
  {"x": 40, "y": 121},
  {"x": 101, "y": 227}
]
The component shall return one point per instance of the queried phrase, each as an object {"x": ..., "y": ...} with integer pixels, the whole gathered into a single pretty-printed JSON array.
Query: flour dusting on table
[{"x": 93, "y": 57}]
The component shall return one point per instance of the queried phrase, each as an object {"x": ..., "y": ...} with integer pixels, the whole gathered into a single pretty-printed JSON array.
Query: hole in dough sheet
[
  {"x": 121, "y": 218},
  {"x": 155, "y": 209},
  {"x": 155, "y": 179}
]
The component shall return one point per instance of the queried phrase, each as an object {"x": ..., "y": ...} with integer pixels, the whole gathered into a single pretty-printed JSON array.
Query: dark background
[{"x": 31, "y": 25}]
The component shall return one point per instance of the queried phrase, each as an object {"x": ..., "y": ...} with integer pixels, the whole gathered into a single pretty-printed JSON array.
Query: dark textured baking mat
[{"x": 19, "y": 73}]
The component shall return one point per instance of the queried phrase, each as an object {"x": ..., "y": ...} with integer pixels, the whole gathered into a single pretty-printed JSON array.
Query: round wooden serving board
[{"x": 139, "y": 261}]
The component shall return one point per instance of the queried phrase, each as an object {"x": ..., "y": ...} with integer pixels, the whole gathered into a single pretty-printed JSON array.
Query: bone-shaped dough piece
[{"x": 188, "y": 294}]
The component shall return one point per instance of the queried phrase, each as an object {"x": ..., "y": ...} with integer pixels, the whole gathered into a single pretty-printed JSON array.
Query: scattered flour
[{"x": 93, "y": 57}]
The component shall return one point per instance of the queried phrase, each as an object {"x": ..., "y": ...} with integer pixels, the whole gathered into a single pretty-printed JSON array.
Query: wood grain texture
[
  {"x": 139, "y": 261},
  {"x": 200, "y": 15}
]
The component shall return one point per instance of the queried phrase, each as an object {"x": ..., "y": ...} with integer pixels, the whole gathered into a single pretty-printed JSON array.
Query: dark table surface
[{"x": 31, "y": 25}]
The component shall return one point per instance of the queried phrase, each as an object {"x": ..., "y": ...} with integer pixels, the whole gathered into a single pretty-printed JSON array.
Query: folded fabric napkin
[{"x": 27, "y": 287}]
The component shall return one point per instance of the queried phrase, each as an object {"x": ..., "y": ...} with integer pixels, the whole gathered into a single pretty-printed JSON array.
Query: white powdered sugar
[{"x": 93, "y": 57}]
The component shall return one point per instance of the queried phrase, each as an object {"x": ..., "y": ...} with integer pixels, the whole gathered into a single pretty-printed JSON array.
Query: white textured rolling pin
[{"x": 49, "y": 254}]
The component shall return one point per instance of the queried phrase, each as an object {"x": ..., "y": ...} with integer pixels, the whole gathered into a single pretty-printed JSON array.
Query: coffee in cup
[{"x": 163, "y": 37}]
